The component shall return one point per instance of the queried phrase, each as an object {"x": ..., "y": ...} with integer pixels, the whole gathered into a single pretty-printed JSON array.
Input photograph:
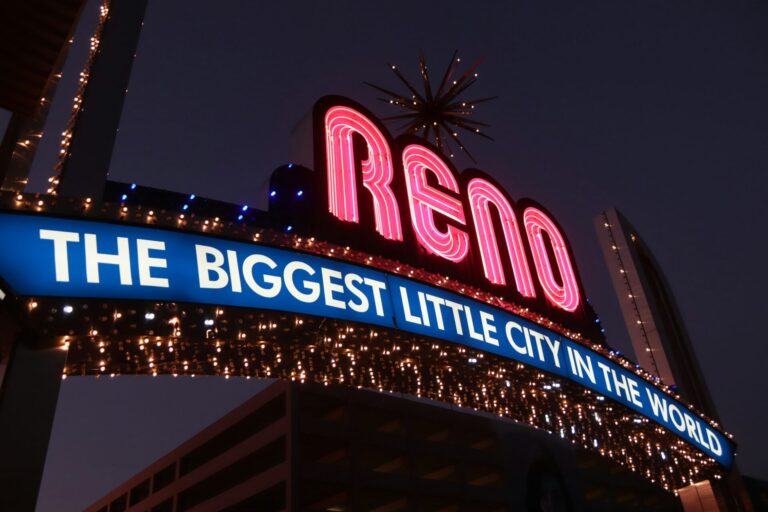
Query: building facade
[{"x": 325, "y": 448}]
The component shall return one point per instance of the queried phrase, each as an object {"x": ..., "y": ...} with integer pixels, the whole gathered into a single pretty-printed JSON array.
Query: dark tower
[
  {"x": 662, "y": 344},
  {"x": 653, "y": 320}
]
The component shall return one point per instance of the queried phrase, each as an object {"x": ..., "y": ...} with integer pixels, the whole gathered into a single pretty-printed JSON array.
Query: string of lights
[
  {"x": 437, "y": 115},
  {"x": 109, "y": 339},
  {"x": 631, "y": 294},
  {"x": 66, "y": 135}
]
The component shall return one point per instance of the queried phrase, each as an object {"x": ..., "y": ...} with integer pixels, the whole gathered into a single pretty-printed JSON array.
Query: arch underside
[{"x": 112, "y": 338}]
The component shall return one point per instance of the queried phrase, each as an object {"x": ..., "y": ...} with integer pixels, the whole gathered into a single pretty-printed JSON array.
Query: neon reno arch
[{"x": 449, "y": 214}]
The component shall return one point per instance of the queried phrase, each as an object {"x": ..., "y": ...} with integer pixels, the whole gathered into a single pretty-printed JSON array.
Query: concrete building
[{"x": 318, "y": 448}]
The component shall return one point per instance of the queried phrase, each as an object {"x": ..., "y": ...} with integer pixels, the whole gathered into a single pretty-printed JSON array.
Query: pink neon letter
[
  {"x": 565, "y": 296},
  {"x": 425, "y": 200},
  {"x": 341, "y": 123},
  {"x": 481, "y": 195}
]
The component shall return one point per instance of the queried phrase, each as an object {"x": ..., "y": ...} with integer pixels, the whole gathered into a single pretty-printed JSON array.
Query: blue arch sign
[{"x": 60, "y": 257}]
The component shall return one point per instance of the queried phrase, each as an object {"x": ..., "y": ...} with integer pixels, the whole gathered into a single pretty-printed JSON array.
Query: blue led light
[
  {"x": 290, "y": 166},
  {"x": 299, "y": 193},
  {"x": 124, "y": 197},
  {"x": 273, "y": 193},
  {"x": 240, "y": 217},
  {"x": 289, "y": 228},
  {"x": 185, "y": 207},
  {"x": 244, "y": 208},
  {"x": 192, "y": 197},
  {"x": 133, "y": 186}
]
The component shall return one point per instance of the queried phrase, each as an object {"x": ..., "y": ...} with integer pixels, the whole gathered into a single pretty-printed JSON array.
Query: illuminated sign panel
[
  {"x": 404, "y": 193},
  {"x": 74, "y": 258}
]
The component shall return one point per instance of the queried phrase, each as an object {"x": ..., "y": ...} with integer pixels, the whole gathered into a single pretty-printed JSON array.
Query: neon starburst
[{"x": 438, "y": 116}]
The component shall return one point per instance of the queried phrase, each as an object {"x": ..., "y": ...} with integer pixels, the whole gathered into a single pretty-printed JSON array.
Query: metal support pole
[
  {"x": 85, "y": 171},
  {"x": 30, "y": 391}
]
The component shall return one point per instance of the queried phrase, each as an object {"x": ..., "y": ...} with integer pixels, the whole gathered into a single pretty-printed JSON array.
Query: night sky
[{"x": 657, "y": 108}]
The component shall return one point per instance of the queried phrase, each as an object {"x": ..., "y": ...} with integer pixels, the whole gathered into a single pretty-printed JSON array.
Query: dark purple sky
[{"x": 658, "y": 108}]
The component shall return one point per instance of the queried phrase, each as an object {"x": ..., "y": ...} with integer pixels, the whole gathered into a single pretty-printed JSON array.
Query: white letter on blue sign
[
  {"x": 554, "y": 347},
  {"x": 60, "y": 259},
  {"x": 330, "y": 287},
  {"x": 486, "y": 319},
  {"x": 314, "y": 288},
  {"x": 436, "y": 303},
  {"x": 409, "y": 317},
  {"x": 94, "y": 258},
  {"x": 520, "y": 349},
  {"x": 351, "y": 281},
  {"x": 714, "y": 442},
  {"x": 204, "y": 267},
  {"x": 274, "y": 281},
  {"x": 377, "y": 287},
  {"x": 146, "y": 262},
  {"x": 456, "y": 308}
]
